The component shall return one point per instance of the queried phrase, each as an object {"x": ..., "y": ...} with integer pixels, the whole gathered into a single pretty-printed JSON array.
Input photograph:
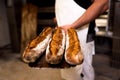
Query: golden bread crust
[
  {"x": 54, "y": 53},
  {"x": 36, "y": 47},
  {"x": 73, "y": 53}
]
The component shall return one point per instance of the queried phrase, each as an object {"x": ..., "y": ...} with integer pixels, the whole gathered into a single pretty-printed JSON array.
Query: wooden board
[{"x": 41, "y": 63}]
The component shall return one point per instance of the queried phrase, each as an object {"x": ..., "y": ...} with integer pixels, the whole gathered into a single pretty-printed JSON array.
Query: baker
[{"x": 80, "y": 15}]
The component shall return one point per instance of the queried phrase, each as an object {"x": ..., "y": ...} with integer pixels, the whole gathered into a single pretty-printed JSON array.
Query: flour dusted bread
[
  {"x": 55, "y": 49},
  {"x": 37, "y": 46},
  {"x": 73, "y": 54}
]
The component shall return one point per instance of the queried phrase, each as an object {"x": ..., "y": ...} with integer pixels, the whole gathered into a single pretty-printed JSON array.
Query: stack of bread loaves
[{"x": 57, "y": 44}]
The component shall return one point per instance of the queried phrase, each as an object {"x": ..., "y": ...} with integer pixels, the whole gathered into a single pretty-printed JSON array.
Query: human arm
[{"x": 97, "y": 8}]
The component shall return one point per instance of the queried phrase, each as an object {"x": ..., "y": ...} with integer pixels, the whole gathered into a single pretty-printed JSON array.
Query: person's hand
[{"x": 66, "y": 27}]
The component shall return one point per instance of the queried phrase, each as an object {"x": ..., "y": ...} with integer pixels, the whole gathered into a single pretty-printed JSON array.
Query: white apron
[{"x": 67, "y": 11}]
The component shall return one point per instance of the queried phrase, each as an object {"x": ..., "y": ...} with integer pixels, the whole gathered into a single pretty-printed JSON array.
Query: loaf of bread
[
  {"x": 73, "y": 54},
  {"x": 56, "y": 47},
  {"x": 37, "y": 46}
]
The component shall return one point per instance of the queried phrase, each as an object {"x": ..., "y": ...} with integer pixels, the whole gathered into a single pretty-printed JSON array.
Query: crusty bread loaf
[
  {"x": 37, "y": 46},
  {"x": 55, "y": 49},
  {"x": 73, "y": 53}
]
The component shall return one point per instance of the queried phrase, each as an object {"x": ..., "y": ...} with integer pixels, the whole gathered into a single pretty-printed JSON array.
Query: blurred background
[{"x": 39, "y": 15}]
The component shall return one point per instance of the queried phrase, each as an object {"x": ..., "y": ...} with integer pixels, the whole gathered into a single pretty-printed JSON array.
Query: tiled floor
[{"x": 12, "y": 68}]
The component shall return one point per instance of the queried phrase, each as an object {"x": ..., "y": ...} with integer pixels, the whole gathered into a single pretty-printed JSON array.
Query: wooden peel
[{"x": 28, "y": 24}]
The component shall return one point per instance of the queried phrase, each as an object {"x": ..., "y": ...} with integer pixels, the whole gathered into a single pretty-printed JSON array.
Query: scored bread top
[
  {"x": 73, "y": 53},
  {"x": 74, "y": 44},
  {"x": 40, "y": 37},
  {"x": 56, "y": 42}
]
